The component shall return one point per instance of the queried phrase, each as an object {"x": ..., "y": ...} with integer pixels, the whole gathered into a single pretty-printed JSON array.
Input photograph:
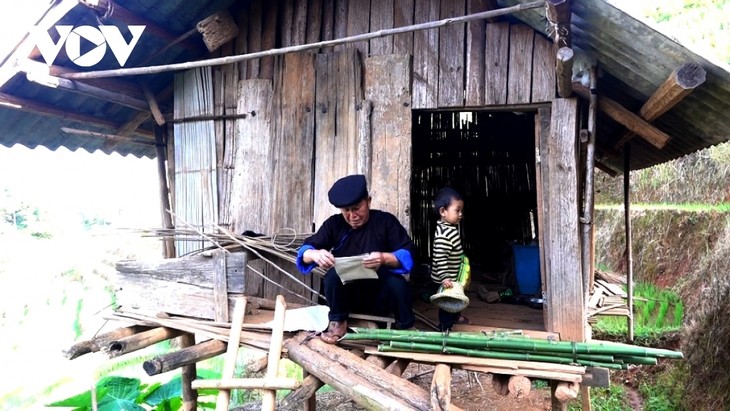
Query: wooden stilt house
[{"x": 253, "y": 109}]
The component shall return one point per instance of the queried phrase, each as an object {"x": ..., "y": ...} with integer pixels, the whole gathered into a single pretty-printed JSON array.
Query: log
[
  {"x": 566, "y": 391},
  {"x": 519, "y": 386},
  {"x": 564, "y": 71},
  {"x": 625, "y": 117},
  {"x": 364, "y": 383},
  {"x": 398, "y": 366},
  {"x": 187, "y": 376},
  {"x": 296, "y": 399},
  {"x": 500, "y": 383},
  {"x": 441, "y": 387},
  {"x": 558, "y": 16},
  {"x": 95, "y": 344},
  {"x": 680, "y": 83},
  {"x": 185, "y": 356},
  {"x": 141, "y": 340}
]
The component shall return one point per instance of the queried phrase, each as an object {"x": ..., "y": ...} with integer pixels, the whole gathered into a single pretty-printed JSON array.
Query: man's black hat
[{"x": 348, "y": 190}]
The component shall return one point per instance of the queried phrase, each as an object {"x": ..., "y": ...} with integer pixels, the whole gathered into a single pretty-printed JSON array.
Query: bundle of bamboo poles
[{"x": 513, "y": 346}]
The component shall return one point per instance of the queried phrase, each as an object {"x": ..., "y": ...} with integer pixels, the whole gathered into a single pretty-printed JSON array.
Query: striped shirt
[{"x": 447, "y": 251}]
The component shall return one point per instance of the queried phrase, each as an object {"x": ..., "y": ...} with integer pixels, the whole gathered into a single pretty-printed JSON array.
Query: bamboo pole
[
  {"x": 277, "y": 339},
  {"x": 303, "y": 47},
  {"x": 629, "y": 241},
  {"x": 229, "y": 363}
]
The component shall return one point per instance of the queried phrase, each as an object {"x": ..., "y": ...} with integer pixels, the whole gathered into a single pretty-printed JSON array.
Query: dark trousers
[
  {"x": 447, "y": 320},
  {"x": 389, "y": 294}
]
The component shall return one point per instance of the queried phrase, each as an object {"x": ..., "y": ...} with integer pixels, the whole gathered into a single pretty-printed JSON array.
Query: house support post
[
  {"x": 629, "y": 255},
  {"x": 189, "y": 373}
]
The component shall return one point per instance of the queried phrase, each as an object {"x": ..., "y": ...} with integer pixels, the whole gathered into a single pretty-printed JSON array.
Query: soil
[{"x": 469, "y": 390}]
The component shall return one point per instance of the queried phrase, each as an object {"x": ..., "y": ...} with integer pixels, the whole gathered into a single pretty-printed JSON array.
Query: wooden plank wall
[{"x": 478, "y": 64}]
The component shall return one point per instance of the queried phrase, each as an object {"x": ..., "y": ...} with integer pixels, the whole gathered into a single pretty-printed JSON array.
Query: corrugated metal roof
[
  {"x": 45, "y": 129},
  {"x": 633, "y": 58}
]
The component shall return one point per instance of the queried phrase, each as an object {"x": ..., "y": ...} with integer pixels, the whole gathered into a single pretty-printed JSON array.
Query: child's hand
[{"x": 447, "y": 283}]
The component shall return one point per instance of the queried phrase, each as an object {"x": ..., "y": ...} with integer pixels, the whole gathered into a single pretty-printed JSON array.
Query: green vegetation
[{"x": 656, "y": 311}]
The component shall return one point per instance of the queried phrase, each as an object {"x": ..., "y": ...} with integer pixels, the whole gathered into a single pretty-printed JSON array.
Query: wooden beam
[
  {"x": 441, "y": 387},
  {"x": 120, "y": 86},
  {"x": 558, "y": 17},
  {"x": 680, "y": 83},
  {"x": 33, "y": 107},
  {"x": 87, "y": 90},
  {"x": 154, "y": 108},
  {"x": 110, "y": 137},
  {"x": 56, "y": 11},
  {"x": 626, "y": 118},
  {"x": 303, "y": 47},
  {"x": 106, "y": 10},
  {"x": 564, "y": 71}
]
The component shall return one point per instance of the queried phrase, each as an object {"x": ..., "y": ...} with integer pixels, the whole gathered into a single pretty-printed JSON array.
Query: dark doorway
[{"x": 489, "y": 158}]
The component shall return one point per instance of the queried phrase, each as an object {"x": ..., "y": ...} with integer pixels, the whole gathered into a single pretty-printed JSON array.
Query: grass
[{"x": 656, "y": 311}]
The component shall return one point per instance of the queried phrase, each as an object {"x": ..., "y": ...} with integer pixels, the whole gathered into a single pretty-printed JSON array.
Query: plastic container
[{"x": 527, "y": 269}]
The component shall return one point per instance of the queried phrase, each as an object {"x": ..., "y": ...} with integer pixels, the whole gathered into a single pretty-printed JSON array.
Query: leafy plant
[{"x": 130, "y": 394}]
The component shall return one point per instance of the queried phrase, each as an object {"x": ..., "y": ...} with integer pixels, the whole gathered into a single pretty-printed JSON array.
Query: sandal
[{"x": 335, "y": 331}]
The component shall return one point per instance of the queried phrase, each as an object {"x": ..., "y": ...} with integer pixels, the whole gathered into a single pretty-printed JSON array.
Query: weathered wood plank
[
  {"x": 291, "y": 184},
  {"x": 241, "y": 46},
  {"x": 339, "y": 92},
  {"x": 387, "y": 85},
  {"x": 328, "y": 21},
  {"x": 425, "y": 57},
  {"x": 286, "y": 22},
  {"x": 358, "y": 22},
  {"x": 340, "y": 21},
  {"x": 268, "y": 39},
  {"x": 543, "y": 70},
  {"x": 519, "y": 76},
  {"x": 381, "y": 17},
  {"x": 314, "y": 21},
  {"x": 451, "y": 56},
  {"x": 475, "y": 54},
  {"x": 220, "y": 287},
  {"x": 299, "y": 22},
  {"x": 564, "y": 264},
  {"x": 252, "y": 204},
  {"x": 496, "y": 63},
  {"x": 195, "y": 269},
  {"x": 255, "y": 38},
  {"x": 403, "y": 16},
  {"x": 542, "y": 135}
]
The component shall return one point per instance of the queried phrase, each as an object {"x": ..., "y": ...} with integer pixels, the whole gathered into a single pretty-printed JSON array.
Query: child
[{"x": 447, "y": 253}]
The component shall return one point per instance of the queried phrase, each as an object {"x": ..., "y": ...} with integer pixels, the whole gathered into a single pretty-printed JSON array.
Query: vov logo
[{"x": 100, "y": 37}]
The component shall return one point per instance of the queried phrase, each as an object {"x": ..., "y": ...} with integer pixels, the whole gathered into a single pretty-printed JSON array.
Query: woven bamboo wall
[{"x": 489, "y": 159}]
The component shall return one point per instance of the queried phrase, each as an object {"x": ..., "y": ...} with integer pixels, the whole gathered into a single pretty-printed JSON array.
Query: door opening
[{"x": 489, "y": 158}]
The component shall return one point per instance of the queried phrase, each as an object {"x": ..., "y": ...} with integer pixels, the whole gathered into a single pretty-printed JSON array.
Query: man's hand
[
  {"x": 376, "y": 259},
  {"x": 322, "y": 258}
]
